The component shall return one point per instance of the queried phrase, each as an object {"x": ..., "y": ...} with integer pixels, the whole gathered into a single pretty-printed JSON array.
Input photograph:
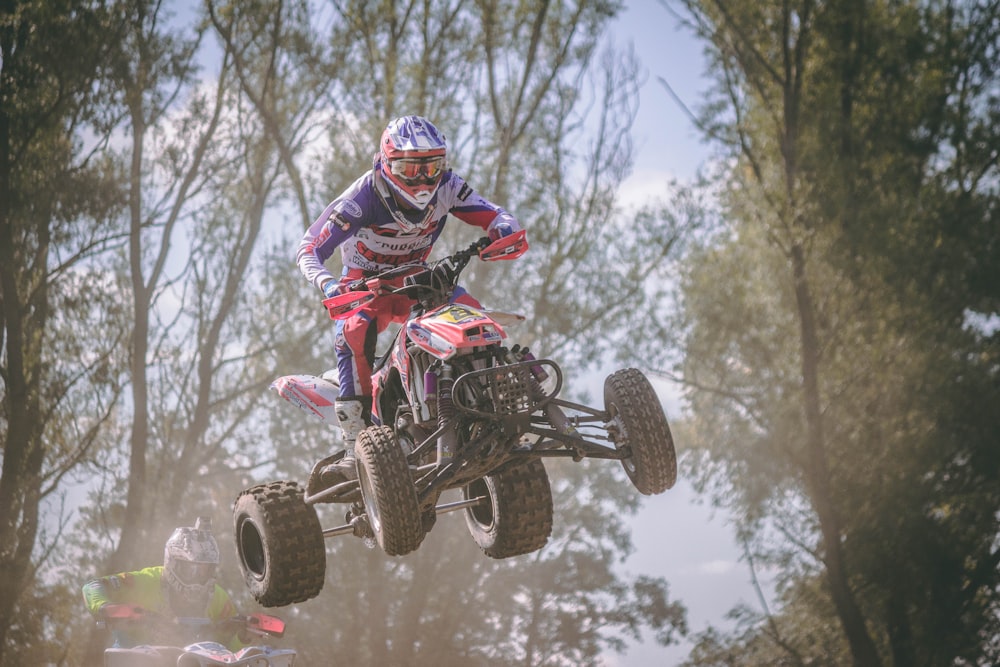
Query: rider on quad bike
[
  {"x": 448, "y": 407},
  {"x": 185, "y": 585},
  {"x": 392, "y": 215}
]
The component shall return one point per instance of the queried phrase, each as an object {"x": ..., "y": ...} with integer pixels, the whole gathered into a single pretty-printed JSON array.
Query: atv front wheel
[
  {"x": 387, "y": 489},
  {"x": 280, "y": 544},
  {"x": 636, "y": 421},
  {"x": 515, "y": 516}
]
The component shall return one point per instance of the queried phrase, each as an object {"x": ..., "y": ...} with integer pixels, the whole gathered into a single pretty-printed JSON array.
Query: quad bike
[
  {"x": 197, "y": 653},
  {"x": 453, "y": 408}
]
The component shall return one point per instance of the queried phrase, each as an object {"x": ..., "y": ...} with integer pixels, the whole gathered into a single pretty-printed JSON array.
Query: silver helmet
[{"x": 191, "y": 563}]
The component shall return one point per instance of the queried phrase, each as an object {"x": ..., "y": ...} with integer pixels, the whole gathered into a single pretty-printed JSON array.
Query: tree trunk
[
  {"x": 132, "y": 527},
  {"x": 818, "y": 477},
  {"x": 24, "y": 318}
]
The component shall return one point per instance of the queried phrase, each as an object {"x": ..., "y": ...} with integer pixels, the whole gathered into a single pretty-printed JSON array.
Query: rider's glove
[
  {"x": 498, "y": 230},
  {"x": 331, "y": 288}
]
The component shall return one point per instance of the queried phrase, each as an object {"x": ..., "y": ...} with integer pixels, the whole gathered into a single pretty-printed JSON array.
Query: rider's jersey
[
  {"x": 145, "y": 588},
  {"x": 373, "y": 238}
]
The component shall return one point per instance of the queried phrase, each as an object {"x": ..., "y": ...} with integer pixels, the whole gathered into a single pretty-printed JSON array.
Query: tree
[
  {"x": 821, "y": 363},
  {"x": 146, "y": 70},
  {"x": 206, "y": 162},
  {"x": 55, "y": 199}
]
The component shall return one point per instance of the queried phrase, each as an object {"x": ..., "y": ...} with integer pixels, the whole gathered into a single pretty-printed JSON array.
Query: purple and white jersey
[{"x": 371, "y": 237}]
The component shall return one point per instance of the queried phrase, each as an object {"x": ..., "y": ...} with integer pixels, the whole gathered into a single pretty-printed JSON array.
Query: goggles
[
  {"x": 190, "y": 572},
  {"x": 417, "y": 170}
]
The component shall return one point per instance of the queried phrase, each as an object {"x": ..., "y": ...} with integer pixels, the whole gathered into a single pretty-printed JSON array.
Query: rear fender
[{"x": 315, "y": 395}]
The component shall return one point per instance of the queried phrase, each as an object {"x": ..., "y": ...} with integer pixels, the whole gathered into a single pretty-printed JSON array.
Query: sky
[
  {"x": 687, "y": 543},
  {"x": 667, "y": 144}
]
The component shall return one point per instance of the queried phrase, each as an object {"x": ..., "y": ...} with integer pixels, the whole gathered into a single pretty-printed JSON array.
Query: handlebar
[
  {"x": 408, "y": 270},
  {"x": 429, "y": 284},
  {"x": 257, "y": 623}
]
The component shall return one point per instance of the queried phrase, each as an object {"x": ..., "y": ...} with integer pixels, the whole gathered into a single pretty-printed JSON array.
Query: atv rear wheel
[
  {"x": 388, "y": 491},
  {"x": 636, "y": 421},
  {"x": 515, "y": 516},
  {"x": 280, "y": 544}
]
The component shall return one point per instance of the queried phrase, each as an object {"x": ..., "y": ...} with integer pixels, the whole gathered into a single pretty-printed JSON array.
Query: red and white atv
[
  {"x": 454, "y": 408},
  {"x": 182, "y": 642}
]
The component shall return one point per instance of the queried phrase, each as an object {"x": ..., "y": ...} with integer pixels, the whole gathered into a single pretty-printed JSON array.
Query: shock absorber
[
  {"x": 556, "y": 416},
  {"x": 524, "y": 354},
  {"x": 430, "y": 400},
  {"x": 446, "y": 413}
]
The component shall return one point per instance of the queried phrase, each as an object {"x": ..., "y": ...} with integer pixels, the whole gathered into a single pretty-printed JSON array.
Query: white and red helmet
[
  {"x": 412, "y": 159},
  {"x": 191, "y": 562}
]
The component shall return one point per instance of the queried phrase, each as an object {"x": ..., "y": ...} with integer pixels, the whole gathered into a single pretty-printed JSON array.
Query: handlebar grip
[
  {"x": 122, "y": 611},
  {"x": 473, "y": 249}
]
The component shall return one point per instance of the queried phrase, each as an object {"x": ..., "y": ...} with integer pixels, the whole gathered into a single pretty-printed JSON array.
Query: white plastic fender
[{"x": 315, "y": 395}]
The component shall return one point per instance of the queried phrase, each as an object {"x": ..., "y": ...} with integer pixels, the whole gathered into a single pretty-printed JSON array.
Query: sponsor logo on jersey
[
  {"x": 336, "y": 219},
  {"x": 464, "y": 193},
  {"x": 376, "y": 258},
  {"x": 351, "y": 208},
  {"x": 400, "y": 244}
]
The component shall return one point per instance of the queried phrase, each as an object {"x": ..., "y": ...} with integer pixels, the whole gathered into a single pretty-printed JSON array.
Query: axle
[{"x": 349, "y": 529}]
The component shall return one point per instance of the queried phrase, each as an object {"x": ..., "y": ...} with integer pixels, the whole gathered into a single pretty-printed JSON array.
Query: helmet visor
[
  {"x": 413, "y": 171},
  {"x": 192, "y": 573}
]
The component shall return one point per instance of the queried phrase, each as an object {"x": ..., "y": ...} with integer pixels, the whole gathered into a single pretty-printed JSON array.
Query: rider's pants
[{"x": 358, "y": 334}]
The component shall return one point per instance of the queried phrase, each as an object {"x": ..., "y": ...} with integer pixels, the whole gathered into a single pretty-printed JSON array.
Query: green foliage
[
  {"x": 800, "y": 635},
  {"x": 56, "y": 196},
  {"x": 839, "y": 395}
]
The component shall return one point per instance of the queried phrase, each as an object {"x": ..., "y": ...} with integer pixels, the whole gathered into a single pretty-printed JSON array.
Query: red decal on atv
[
  {"x": 286, "y": 389},
  {"x": 292, "y": 390},
  {"x": 315, "y": 397}
]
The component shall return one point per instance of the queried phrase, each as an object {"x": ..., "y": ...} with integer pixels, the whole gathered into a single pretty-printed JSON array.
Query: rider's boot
[
  {"x": 352, "y": 413},
  {"x": 317, "y": 481}
]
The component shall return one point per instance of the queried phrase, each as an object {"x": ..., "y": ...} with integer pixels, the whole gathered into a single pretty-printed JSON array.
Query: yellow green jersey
[{"x": 145, "y": 588}]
